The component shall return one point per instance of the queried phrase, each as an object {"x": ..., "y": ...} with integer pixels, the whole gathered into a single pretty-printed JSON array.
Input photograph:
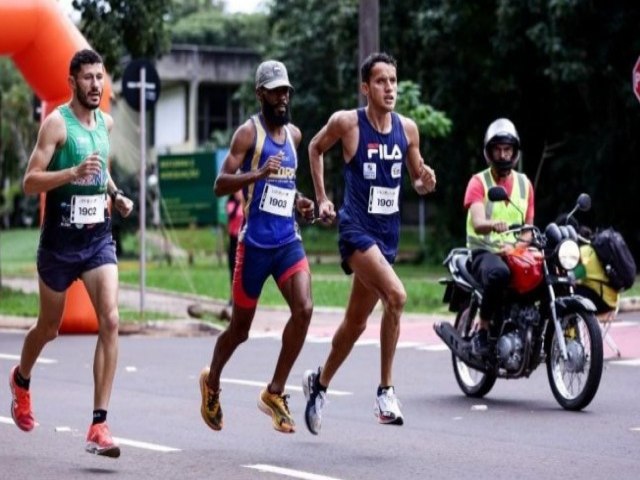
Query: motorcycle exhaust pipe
[{"x": 460, "y": 347}]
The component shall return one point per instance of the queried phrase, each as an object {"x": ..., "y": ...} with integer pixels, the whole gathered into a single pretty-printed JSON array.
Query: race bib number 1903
[{"x": 278, "y": 201}]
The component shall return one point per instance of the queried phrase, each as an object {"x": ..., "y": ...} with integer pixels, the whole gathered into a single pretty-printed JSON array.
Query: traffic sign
[
  {"x": 636, "y": 79},
  {"x": 131, "y": 84}
]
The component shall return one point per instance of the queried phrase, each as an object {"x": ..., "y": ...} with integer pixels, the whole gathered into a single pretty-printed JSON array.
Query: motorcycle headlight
[{"x": 568, "y": 254}]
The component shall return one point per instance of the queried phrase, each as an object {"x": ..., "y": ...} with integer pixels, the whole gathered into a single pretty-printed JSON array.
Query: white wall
[{"x": 171, "y": 118}]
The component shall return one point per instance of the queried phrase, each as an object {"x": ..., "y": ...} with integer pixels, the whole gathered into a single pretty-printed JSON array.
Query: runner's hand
[{"x": 124, "y": 205}]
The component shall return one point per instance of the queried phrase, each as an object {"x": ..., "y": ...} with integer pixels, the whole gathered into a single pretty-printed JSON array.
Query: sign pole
[
  {"x": 143, "y": 183},
  {"x": 136, "y": 74}
]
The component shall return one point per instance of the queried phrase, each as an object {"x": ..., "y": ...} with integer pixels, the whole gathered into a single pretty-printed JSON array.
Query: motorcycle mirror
[
  {"x": 497, "y": 194},
  {"x": 584, "y": 202}
]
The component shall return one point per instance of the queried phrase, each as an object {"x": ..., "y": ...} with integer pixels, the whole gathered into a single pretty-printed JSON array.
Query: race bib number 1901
[{"x": 384, "y": 201}]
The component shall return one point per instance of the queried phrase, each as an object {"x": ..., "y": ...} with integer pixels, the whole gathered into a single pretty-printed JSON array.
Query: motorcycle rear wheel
[
  {"x": 472, "y": 382},
  {"x": 575, "y": 382}
]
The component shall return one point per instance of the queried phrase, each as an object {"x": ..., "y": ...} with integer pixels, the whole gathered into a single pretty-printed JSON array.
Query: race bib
[
  {"x": 278, "y": 201},
  {"x": 384, "y": 201},
  {"x": 86, "y": 209}
]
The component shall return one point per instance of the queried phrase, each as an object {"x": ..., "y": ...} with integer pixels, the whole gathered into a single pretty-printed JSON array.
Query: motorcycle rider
[{"x": 486, "y": 221}]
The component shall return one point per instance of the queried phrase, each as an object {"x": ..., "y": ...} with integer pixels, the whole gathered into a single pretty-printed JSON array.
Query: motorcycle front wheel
[
  {"x": 575, "y": 381},
  {"x": 472, "y": 382}
]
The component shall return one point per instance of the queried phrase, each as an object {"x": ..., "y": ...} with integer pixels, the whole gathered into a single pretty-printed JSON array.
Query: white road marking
[
  {"x": 122, "y": 441},
  {"x": 9, "y": 421},
  {"x": 633, "y": 362},
  {"x": 296, "y": 388},
  {"x": 145, "y": 445},
  {"x": 289, "y": 473},
  {"x": 7, "y": 356},
  {"x": 440, "y": 347}
]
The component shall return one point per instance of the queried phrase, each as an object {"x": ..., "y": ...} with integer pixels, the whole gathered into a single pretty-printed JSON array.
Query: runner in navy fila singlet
[
  {"x": 376, "y": 144},
  {"x": 372, "y": 186}
]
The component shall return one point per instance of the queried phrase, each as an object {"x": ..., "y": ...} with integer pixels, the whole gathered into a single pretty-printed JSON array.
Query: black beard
[
  {"x": 273, "y": 118},
  {"x": 84, "y": 101}
]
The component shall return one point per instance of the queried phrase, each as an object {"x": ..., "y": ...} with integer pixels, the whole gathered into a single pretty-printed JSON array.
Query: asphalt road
[{"x": 517, "y": 431}]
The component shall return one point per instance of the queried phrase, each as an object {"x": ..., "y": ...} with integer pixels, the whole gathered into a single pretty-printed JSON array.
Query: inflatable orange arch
[{"x": 40, "y": 39}]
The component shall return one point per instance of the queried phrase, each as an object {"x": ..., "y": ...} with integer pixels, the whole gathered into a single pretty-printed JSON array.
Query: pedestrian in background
[{"x": 235, "y": 217}]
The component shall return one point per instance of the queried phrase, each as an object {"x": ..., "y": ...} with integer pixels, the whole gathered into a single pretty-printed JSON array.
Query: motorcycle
[{"x": 541, "y": 318}]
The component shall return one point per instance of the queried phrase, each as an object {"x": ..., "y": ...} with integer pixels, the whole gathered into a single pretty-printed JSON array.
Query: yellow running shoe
[
  {"x": 275, "y": 405},
  {"x": 210, "y": 409}
]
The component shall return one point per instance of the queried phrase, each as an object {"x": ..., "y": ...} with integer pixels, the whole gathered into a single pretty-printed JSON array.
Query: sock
[
  {"x": 382, "y": 389},
  {"x": 20, "y": 380},
  {"x": 99, "y": 416}
]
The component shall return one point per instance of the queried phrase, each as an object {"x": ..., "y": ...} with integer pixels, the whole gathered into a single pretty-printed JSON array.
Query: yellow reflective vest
[{"x": 504, "y": 211}]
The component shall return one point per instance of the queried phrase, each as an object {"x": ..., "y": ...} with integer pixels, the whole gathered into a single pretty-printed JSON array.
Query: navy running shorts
[
  {"x": 351, "y": 240},
  {"x": 255, "y": 264},
  {"x": 58, "y": 269}
]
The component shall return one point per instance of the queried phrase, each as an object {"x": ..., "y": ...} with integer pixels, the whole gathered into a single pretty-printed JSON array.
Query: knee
[
  {"x": 48, "y": 331},
  {"x": 109, "y": 323},
  {"x": 302, "y": 313},
  {"x": 396, "y": 300},
  {"x": 498, "y": 277},
  {"x": 236, "y": 335}
]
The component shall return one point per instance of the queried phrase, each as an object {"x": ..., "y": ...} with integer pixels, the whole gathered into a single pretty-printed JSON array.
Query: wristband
[{"x": 115, "y": 193}]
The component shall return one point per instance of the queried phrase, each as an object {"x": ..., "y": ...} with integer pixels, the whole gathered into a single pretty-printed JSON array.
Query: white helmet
[{"x": 502, "y": 130}]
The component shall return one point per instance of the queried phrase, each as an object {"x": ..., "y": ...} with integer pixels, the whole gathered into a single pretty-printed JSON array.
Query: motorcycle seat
[{"x": 462, "y": 261}]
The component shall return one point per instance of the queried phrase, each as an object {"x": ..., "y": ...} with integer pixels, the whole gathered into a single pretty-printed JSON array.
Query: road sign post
[{"x": 141, "y": 89}]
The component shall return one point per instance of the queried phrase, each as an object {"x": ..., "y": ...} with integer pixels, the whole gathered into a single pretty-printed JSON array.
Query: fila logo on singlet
[{"x": 381, "y": 149}]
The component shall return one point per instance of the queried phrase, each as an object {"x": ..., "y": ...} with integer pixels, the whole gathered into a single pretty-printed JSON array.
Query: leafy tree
[
  {"x": 17, "y": 134},
  {"x": 213, "y": 26},
  {"x": 117, "y": 28}
]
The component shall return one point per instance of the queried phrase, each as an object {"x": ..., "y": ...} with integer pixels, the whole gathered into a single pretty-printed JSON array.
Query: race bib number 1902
[{"x": 86, "y": 209}]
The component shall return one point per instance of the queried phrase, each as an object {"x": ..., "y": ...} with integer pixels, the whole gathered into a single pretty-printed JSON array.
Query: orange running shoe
[
  {"x": 275, "y": 405},
  {"x": 100, "y": 441},
  {"x": 21, "y": 405},
  {"x": 210, "y": 409}
]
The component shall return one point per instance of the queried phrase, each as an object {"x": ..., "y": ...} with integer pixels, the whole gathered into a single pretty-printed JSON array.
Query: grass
[{"x": 202, "y": 269}]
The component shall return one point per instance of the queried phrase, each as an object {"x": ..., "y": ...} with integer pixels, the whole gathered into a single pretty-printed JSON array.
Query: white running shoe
[
  {"x": 316, "y": 401},
  {"x": 387, "y": 408}
]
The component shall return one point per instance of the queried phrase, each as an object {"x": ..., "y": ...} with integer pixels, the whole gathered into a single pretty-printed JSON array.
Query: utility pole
[{"x": 368, "y": 34}]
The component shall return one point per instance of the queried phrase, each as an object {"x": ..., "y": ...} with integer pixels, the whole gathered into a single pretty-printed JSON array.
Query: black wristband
[{"x": 115, "y": 193}]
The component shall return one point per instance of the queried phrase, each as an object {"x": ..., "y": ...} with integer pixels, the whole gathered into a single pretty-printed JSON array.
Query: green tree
[
  {"x": 212, "y": 26},
  {"x": 17, "y": 133},
  {"x": 117, "y": 28}
]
